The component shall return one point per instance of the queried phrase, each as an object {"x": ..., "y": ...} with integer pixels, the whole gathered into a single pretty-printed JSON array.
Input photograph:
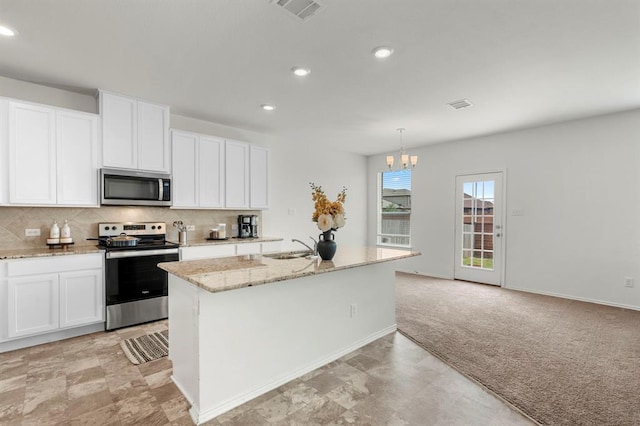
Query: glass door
[{"x": 479, "y": 228}]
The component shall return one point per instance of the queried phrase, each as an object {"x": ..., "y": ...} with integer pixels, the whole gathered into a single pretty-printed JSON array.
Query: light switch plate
[{"x": 32, "y": 232}]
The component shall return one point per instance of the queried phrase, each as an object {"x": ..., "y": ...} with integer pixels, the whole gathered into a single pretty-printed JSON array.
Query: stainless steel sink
[{"x": 289, "y": 254}]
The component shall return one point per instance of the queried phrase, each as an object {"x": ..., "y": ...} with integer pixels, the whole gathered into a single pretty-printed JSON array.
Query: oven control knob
[
  {"x": 113, "y": 228},
  {"x": 159, "y": 226},
  {"x": 154, "y": 227},
  {"x": 106, "y": 228}
]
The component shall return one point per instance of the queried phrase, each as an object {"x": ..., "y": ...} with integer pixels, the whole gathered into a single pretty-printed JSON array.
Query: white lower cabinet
[
  {"x": 207, "y": 251},
  {"x": 51, "y": 294},
  {"x": 33, "y": 305},
  {"x": 248, "y": 248},
  {"x": 225, "y": 250},
  {"x": 81, "y": 297}
]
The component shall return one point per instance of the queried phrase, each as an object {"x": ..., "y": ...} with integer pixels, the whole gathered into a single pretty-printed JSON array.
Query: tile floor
[{"x": 88, "y": 381}]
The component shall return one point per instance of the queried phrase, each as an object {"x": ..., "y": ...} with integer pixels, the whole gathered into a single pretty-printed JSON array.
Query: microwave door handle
[{"x": 161, "y": 191}]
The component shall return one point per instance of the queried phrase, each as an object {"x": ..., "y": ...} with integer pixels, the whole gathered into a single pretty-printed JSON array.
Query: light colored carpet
[
  {"x": 145, "y": 348},
  {"x": 561, "y": 362}
]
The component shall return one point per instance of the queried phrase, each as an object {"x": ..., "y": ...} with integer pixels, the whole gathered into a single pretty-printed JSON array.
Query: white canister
[
  {"x": 222, "y": 230},
  {"x": 65, "y": 232},
  {"x": 54, "y": 232}
]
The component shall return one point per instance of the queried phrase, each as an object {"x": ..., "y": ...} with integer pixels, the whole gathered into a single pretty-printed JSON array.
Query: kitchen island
[{"x": 241, "y": 326}]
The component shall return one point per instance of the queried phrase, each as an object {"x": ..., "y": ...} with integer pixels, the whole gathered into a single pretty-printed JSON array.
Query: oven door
[{"x": 132, "y": 275}]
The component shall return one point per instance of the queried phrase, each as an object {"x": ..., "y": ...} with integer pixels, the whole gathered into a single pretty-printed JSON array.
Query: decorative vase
[{"x": 326, "y": 245}]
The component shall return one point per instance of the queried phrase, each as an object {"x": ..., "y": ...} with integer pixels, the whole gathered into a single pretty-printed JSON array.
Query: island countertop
[{"x": 229, "y": 273}]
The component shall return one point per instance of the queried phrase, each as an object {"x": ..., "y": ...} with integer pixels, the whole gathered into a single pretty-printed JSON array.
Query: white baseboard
[
  {"x": 200, "y": 417},
  {"x": 25, "y": 342},
  {"x": 426, "y": 274},
  {"x": 580, "y": 299}
]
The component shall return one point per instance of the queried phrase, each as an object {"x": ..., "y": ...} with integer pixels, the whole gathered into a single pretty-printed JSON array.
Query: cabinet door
[
  {"x": 184, "y": 179},
  {"x": 259, "y": 177},
  {"x": 153, "y": 137},
  {"x": 119, "y": 131},
  {"x": 77, "y": 165},
  {"x": 81, "y": 298},
  {"x": 32, "y": 304},
  {"x": 4, "y": 151},
  {"x": 32, "y": 154},
  {"x": 211, "y": 172},
  {"x": 236, "y": 175}
]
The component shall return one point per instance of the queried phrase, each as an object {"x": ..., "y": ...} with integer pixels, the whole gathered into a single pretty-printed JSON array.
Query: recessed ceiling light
[
  {"x": 301, "y": 71},
  {"x": 6, "y": 31},
  {"x": 382, "y": 52},
  {"x": 268, "y": 107}
]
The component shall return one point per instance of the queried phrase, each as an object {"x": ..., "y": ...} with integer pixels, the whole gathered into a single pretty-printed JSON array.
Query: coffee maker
[{"x": 247, "y": 226}]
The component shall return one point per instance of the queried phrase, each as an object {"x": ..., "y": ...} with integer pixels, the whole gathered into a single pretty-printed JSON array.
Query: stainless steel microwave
[{"x": 134, "y": 188}]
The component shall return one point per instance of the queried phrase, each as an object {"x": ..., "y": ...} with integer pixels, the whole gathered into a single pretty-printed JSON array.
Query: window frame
[{"x": 379, "y": 213}]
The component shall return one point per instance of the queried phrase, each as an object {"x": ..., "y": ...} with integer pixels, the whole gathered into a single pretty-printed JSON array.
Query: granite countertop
[
  {"x": 229, "y": 273},
  {"x": 45, "y": 251},
  {"x": 234, "y": 240}
]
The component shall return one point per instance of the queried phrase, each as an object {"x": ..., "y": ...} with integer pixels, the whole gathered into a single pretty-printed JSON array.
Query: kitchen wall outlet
[
  {"x": 191, "y": 227},
  {"x": 353, "y": 310},
  {"x": 292, "y": 212},
  {"x": 628, "y": 281},
  {"x": 517, "y": 212},
  {"x": 31, "y": 232}
]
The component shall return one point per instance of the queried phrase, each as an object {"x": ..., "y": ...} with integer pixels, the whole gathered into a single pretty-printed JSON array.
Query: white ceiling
[{"x": 522, "y": 63}]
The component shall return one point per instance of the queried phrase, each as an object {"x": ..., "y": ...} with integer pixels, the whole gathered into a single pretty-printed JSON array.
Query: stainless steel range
[{"x": 136, "y": 289}]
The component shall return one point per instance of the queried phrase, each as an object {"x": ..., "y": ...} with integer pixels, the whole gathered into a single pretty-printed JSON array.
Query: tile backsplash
[{"x": 84, "y": 222}]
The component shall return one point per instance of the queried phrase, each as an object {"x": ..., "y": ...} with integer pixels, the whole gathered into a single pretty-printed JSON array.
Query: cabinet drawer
[{"x": 54, "y": 264}]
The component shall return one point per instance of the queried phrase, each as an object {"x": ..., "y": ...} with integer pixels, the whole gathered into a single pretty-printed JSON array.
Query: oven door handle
[{"x": 139, "y": 253}]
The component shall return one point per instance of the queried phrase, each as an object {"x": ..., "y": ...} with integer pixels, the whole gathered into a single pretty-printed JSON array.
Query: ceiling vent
[
  {"x": 300, "y": 9},
  {"x": 462, "y": 103}
]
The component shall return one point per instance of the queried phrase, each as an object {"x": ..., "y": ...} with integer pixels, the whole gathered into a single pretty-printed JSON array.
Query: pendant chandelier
[{"x": 405, "y": 159}]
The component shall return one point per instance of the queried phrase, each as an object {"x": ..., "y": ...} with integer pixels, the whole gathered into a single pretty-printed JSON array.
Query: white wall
[
  {"x": 578, "y": 184},
  {"x": 31, "y": 92},
  {"x": 292, "y": 168}
]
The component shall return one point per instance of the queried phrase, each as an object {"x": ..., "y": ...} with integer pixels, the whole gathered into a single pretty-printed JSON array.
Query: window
[{"x": 394, "y": 208}]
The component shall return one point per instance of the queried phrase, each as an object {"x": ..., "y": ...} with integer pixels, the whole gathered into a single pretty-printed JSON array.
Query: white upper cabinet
[
  {"x": 135, "y": 133},
  {"x": 52, "y": 156},
  {"x": 237, "y": 174},
  {"x": 211, "y": 172},
  {"x": 4, "y": 151},
  {"x": 185, "y": 175},
  {"x": 198, "y": 177},
  {"x": 153, "y": 137},
  {"x": 77, "y": 158},
  {"x": 32, "y": 154},
  {"x": 259, "y": 177}
]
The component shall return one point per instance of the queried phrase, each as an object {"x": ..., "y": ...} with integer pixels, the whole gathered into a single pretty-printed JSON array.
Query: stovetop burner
[
  {"x": 151, "y": 234},
  {"x": 141, "y": 245}
]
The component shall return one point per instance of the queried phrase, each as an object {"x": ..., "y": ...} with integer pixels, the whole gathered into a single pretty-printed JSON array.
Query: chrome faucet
[{"x": 314, "y": 250}]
